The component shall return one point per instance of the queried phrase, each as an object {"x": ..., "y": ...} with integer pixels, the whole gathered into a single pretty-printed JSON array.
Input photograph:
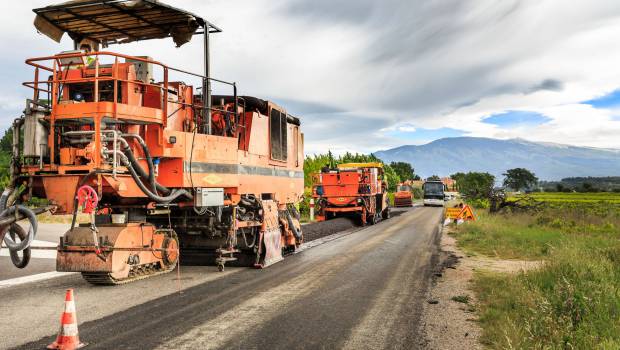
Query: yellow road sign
[
  {"x": 460, "y": 213},
  {"x": 453, "y": 213}
]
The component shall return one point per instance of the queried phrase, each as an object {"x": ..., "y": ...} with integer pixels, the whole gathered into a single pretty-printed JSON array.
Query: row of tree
[
  {"x": 395, "y": 172},
  {"x": 583, "y": 184},
  {"x": 480, "y": 184}
]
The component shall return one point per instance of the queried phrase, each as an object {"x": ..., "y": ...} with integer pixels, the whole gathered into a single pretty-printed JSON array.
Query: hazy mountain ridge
[{"x": 549, "y": 161}]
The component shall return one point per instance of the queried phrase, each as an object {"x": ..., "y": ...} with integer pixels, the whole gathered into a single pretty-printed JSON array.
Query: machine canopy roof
[{"x": 119, "y": 21}]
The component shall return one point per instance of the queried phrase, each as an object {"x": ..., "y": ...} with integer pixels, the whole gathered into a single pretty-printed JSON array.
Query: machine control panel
[{"x": 209, "y": 197}]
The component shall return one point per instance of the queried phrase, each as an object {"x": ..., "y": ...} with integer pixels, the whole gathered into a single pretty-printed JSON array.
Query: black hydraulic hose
[
  {"x": 149, "y": 162},
  {"x": 245, "y": 240},
  {"x": 157, "y": 198},
  {"x": 32, "y": 232},
  {"x": 22, "y": 262},
  {"x": 16, "y": 230},
  {"x": 289, "y": 218},
  {"x": 150, "y": 176},
  {"x": 139, "y": 171}
]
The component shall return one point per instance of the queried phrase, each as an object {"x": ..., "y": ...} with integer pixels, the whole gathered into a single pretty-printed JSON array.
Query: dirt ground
[{"x": 450, "y": 320}]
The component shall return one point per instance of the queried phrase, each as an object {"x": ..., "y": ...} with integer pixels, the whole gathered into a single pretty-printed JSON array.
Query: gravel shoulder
[{"x": 449, "y": 320}]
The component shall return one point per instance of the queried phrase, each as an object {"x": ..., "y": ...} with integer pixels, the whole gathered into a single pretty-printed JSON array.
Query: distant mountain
[{"x": 547, "y": 160}]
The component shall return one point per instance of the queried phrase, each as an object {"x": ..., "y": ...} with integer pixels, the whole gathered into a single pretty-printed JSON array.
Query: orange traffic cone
[{"x": 68, "y": 338}]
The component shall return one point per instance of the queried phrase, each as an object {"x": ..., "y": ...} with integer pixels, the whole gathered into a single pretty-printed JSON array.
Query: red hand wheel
[{"x": 87, "y": 199}]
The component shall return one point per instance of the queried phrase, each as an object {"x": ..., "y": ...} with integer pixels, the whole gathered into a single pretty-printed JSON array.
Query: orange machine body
[
  {"x": 351, "y": 189},
  {"x": 240, "y": 158},
  {"x": 403, "y": 196}
]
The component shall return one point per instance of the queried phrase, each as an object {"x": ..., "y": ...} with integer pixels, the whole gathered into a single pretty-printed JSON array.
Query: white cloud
[{"x": 364, "y": 69}]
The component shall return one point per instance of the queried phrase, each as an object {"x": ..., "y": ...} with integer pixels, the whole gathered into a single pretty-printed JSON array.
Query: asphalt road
[{"x": 362, "y": 290}]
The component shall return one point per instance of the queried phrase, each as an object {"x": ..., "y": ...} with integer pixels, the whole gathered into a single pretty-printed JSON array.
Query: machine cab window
[{"x": 278, "y": 135}]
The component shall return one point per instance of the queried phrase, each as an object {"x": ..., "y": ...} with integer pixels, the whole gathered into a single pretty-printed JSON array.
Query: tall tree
[
  {"x": 476, "y": 184},
  {"x": 403, "y": 169},
  {"x": 458, "y": 177},
  {"x": 519, "y": 179}
]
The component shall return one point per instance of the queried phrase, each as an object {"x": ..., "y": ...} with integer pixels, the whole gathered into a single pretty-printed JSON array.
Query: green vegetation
[
  {"x": 404, "y": 171},
  {"x": 6, "y": 145},
  {"x": 464, "y": 299},
  {"x": 474, "y": 185},
  {"x": 313, "y": 164},
  {"x": 572, "y": 301},
  {"x": 565, "y": 198},
  {"x": 519, "y": 179},
  {"x": 583, "y": 184}
]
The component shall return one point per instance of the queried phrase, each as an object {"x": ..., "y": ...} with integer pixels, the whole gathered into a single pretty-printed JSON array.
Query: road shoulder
[{"x": 449, "y": 320}]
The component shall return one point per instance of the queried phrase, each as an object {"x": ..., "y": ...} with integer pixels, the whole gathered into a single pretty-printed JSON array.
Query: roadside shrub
[
  {"x": 391, "y": 198},
  {"x": 418, "y": 193},
  {"x": 304, "y": 205},
  {"x": 479, "y": 203}
]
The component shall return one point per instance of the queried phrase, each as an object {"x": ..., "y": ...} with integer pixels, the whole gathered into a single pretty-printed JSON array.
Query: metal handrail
[{"x": 56, "y": 58}]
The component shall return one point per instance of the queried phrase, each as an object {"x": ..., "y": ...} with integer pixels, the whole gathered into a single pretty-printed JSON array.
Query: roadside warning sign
[
  {"x": 453, "y": 213},
  {"x": 467, "y": 214},
  {"x": 460, "y": 213}
]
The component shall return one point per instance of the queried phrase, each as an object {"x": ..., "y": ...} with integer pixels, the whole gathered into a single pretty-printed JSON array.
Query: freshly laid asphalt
[{"x": 363, "y": 290}]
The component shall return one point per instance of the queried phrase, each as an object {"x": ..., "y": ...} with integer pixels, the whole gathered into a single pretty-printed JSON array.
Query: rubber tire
[{"x": 165, "y": 244}]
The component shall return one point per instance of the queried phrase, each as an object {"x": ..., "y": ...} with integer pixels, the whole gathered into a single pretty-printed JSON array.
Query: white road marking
[
  {"x": 39, "y": 254},
  {"x": 33, "y": 278}
]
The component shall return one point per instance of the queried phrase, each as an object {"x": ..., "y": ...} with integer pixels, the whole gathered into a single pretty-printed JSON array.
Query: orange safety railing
[{"x": 57, "y": 68}]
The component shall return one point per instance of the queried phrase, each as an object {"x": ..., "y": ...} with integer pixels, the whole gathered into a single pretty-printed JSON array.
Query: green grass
[
  {"x": 500, "y": 237},
  {"x": 535, "y": 236},
  {"x": 573, "y": 300},
  {"x": 563, "y": 197},
  {"x": 464, "y": 299}
]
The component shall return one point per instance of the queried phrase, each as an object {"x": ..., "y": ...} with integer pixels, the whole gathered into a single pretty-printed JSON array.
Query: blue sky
[
  {"x": 517, "y": 119},
  {"x": 610, "y": 100}
]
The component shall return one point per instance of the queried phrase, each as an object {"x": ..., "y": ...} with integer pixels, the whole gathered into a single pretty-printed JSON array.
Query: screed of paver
[{"x": 268, "y": 304}]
